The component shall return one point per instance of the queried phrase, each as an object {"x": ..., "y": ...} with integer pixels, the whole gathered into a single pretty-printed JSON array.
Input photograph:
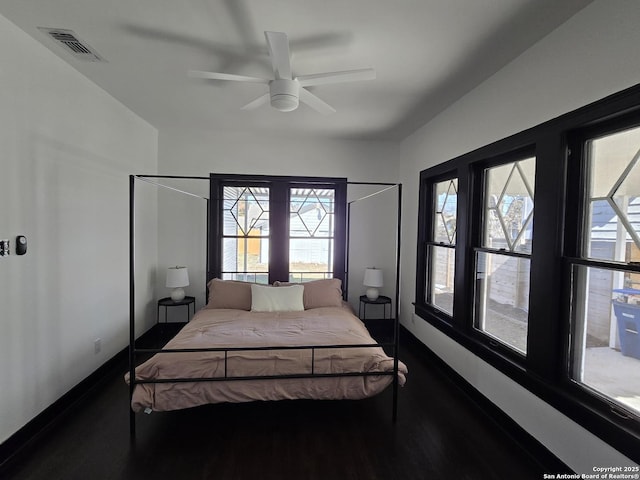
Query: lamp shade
[
  {"x": 177, "y": 277},
  {"x": 372, "y": 277}
]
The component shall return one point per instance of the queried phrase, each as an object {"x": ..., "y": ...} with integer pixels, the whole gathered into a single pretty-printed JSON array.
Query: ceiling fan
[{"x": 285, "y": 90}]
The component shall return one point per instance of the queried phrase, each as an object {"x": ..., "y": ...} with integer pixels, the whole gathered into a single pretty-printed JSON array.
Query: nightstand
[
  {"x": 381, "y": 300},
  {"x": 167, "y": 302},
  {"x": 381, "y": 329}
]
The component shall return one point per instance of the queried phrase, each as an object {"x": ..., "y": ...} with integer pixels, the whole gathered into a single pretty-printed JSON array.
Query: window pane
[
  {"x": 441, "y": 260},
  {"x": 502, "y": 298},
  {"x": 606, "y": 335},
  {"x": 613, "y": 231},
  {"x": 245, "y": 211},
  {"x": 310, "y": 255},
  {"x": 245, "y": 248},
  {"x": 446, "y": 205},
  {"x": 508, "y": 215},
  {"x": 247, "y": 277},
  {"x": 311, "y": 212},
  {"x": 245, "y": 254},
  {"x": 301, "y": 277},
  {"x": 440, "y": 294},
  {"x": 311, "y": 230}
]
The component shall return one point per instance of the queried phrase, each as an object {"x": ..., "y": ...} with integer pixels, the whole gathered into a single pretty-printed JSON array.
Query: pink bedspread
[{"x": 238, "y": 328}]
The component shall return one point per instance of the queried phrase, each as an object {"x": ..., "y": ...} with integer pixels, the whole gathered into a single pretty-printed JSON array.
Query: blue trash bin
[{"x": 628, "y": 317}]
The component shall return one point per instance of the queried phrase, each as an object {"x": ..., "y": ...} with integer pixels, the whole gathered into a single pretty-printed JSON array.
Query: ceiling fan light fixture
[
  {"x": 284, "y": 103},
  {"x": 284, "y": 94}
]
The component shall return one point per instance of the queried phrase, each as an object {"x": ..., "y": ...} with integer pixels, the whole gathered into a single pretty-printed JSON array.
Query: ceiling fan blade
[
  {"x": 241, "y": 17},
  {"x": 279, "y": 51},
  {"x": 261, "y": 100},
  {"x": 320, "y": 41},
  {"x": 337, "y": 77},
  {"x": 226, "y": 76},
  {"x": 314, "y": 102},
  {"x": 225, "y": 53}
]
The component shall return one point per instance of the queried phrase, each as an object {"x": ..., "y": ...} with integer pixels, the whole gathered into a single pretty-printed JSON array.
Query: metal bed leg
[
  {"x": 396, "y": 324},
  {"x": 396, "y": 349},
  {"x": 394, "y": 413},
  {"x": 132, "y": 304},
  {"x": 132, "y": 424}
]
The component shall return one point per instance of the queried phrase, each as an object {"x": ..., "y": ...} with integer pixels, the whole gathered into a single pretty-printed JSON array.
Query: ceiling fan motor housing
[{"x": 284, "y": 94}]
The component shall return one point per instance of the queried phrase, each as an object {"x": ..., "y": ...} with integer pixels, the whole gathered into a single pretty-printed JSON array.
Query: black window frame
[
  {"x": 279, "y": 188},
  {"x": 574, "y": 241},
  {"x": 423, "y": 249},
  {"x": 559, "y": 193},
  {"x": 476, "y": 230}
]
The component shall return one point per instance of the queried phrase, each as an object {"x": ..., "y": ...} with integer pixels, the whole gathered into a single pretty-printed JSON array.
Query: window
[
  {"x": 605, "y": 350},
  {"x": 245, "y": 233},
  {"x": 311, "y": 233},
  {"x": 441, "y": 253},
  {"x": 504, "y": 257},
  {"x": 556, "y": 308},
  {"x": 265, "y": 229}
]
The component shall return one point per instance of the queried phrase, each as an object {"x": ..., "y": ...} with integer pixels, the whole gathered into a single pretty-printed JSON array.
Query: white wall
[
  {"x": 592, "y": 55},
  {"x": 182, "y": 219},
  {"x": 67, "y": 150},
  {"x": 373, "y": 242},
  {"x": 188, "y": 152}
]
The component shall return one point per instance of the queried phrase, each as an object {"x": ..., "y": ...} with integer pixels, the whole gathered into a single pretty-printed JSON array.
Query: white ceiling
[{"x": 427, "y": 54}]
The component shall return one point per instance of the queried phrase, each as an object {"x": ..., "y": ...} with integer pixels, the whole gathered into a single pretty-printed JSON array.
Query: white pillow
[{"x": 277, "y": 299}]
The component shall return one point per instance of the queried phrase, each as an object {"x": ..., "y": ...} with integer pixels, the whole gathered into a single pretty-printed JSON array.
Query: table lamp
[
  {"x": 177, "y": 277},
  {"x": 372, "y": 280}
]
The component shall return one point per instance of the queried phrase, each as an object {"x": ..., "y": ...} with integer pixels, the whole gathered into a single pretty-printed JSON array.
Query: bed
[
  {"x": 239, "y": 349},
  {"x": 255, "y": 343}
]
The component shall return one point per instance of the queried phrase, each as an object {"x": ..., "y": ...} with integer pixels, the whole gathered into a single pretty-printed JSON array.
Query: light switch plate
[{"x": 21, "y": 245}]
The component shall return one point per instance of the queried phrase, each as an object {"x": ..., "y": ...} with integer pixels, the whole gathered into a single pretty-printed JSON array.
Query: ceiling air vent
[{"x": 70, "y": 41}]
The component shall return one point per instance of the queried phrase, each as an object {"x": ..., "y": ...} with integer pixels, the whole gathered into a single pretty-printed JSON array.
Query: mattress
[{"x": 227, "y": 328}]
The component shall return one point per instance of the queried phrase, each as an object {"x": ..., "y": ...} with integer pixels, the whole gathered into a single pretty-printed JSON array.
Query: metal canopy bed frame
[{"x": 134, "y": 351}]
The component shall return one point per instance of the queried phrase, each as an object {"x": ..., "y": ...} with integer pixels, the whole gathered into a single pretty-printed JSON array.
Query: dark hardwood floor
[{"x": 440, "y": 434}]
